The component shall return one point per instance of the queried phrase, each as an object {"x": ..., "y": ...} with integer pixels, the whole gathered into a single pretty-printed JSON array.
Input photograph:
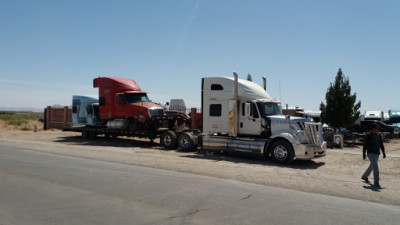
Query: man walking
[{"x": 372, "y": 144}]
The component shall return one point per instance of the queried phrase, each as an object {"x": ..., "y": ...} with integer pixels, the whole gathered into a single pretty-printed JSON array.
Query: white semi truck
[{"x": 239, "y": 115}]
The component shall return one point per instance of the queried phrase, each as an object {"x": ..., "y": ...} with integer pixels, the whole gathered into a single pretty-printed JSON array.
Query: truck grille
[
  {"x": 312, "y": 132},
  {"x": 156, "y": 112}
]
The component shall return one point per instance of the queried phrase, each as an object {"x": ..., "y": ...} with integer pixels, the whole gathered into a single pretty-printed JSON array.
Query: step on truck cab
[{"x": 239, "y": 115}]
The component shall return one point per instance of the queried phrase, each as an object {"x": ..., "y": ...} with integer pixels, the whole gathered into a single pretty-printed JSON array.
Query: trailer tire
[
  {"x": 186, "y": 142},
  {"x": 169, "y": 140},
  {"x": 282, "y": 152},
  {"x": 86, "y": 134}
]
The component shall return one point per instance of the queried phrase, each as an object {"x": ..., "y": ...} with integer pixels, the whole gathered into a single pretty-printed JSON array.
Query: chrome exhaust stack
[
  {"x": 235, "y": 110},
  {"x": 264, "y": 83}
]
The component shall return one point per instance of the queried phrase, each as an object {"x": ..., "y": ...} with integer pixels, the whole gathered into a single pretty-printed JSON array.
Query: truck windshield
[
  {"x": 269, "y": 108},
  {"x": 136, "y": 97}
]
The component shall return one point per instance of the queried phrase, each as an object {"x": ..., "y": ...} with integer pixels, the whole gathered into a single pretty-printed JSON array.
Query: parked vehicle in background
[
  {"x": 359, "y": 130},
  {"x": 385, "y": 117},
  {"x": 85, "y": 110},
  {"x": 177, "y": 105},
  {"x": 373, "y": 115},
  {"x": 315, "y": 115},
  {"x": 394, "y": 116}
]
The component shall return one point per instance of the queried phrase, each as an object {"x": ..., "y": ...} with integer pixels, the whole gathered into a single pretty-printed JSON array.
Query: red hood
[
  {"x": 146, "y": 105},
  {"x": 137, "y": 110}
]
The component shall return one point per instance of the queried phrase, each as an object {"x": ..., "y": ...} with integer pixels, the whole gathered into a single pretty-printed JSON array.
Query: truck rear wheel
[
  {"x": 86, "y": 134},
  {"x": 186, "y": 142},
  {"x": 169, "y": 140},
  {"x": 282, "y": 152}
]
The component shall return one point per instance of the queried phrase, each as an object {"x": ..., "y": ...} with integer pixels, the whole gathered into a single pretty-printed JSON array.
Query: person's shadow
[{"x": 373, "y": 188}]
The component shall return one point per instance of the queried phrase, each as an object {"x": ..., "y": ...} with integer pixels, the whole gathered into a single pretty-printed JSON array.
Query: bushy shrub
[{"x": 17, "y": 120}]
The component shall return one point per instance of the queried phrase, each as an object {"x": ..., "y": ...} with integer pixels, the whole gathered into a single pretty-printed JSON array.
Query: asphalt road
[{"x": 43, "y": 188}]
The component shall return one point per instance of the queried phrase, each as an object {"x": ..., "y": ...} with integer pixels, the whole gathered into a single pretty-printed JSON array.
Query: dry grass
[{"x": 15, "y": 122}]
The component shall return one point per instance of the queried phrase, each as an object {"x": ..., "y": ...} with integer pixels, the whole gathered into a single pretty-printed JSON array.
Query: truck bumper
[{"x": 309, "y": 151}]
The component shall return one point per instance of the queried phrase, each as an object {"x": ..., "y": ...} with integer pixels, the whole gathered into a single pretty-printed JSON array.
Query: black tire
[
  {"x": 86, "y": 134},
  {"x": 110, "y": 136},
  {"x": 282, "y": 152},
  {"x": 169, "y": 140},
  {"x": 186, "y": 142},
  {"x": 348, "y": 135}
]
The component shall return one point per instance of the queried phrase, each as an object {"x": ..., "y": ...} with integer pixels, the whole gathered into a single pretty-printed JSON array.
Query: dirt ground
[{"x": 338, "y": 173}]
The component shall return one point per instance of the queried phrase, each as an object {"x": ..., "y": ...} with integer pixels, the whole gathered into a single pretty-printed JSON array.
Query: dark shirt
[{"x": 372, "y": 143}]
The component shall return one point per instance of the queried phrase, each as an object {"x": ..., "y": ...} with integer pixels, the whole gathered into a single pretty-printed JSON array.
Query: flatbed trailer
[
  {"x": 89, "y": 132},
  {"x": 169, "y": 121}
]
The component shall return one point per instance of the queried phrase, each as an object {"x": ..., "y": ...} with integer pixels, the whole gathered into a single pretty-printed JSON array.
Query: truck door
[
  {"x": 120, "y": 106},
  {"x": 250, "y": 119},
  {"x": 92, "y": 114}
]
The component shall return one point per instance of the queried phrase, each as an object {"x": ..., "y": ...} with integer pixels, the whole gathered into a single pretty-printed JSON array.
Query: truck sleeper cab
[{"x": 239, "y": 115}]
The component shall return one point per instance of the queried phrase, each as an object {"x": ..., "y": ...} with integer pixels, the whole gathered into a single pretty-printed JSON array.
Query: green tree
[
  {"x": 341, "y": 109},
  {"x": 249, "y": 77}
]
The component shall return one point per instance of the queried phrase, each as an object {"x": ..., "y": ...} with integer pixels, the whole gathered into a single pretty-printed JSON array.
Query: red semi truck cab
[
  {"x": 122, "y": 98},
  {"x": 122, "y": 109}
]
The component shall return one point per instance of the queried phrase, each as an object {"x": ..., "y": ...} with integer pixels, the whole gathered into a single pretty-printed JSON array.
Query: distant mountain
[{"x": 29, "y": 109}]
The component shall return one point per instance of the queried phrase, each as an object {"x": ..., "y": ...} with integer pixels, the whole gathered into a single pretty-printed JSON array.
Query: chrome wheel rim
[
  {"x": 280, "y": 153},
  {"x": 167, "y": 140},
  {"x": 184, "y": 142}
]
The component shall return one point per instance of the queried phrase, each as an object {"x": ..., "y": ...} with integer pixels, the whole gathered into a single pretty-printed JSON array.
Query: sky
[{"x": 51, "y": 50}]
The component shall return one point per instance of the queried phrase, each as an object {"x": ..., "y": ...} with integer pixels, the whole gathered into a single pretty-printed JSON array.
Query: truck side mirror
[{"x": 247, "y": 109}]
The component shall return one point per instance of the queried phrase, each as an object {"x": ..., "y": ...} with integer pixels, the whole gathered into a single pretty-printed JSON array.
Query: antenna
[{"x": 280, "y": 93}]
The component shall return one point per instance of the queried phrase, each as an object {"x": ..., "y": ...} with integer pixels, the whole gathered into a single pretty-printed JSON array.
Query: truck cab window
[
  {"x": 215, "y": 110},
  {"x": 269, "y": 108},
  {"x": 121, "y": 99},
  {"x": 102, "y": 101},
  {"x": 216, "y": 87},
  {"x": 136, "y": 97},
  {"x": 253, "y": 111},
  {"x": 89, "y": 110},
  {"x": 75, "y": 109}
]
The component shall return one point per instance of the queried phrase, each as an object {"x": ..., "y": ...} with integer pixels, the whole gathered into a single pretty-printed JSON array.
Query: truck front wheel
[
  {"x": 282, "y": 152},
  {"x": 169, "y": 140}
]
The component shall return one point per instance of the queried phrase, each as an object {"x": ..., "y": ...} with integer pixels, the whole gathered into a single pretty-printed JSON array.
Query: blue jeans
[{"x": 373, "y": 166}]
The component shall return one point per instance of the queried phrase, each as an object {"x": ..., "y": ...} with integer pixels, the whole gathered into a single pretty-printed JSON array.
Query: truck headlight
[{"x": 154, "y": 111}]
